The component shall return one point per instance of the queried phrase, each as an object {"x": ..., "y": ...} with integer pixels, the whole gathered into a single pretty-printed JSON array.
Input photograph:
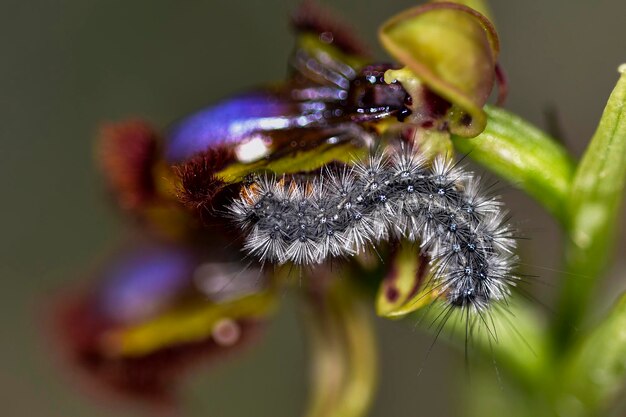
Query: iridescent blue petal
[
  {"x": 228, "y": 122},
  {"x": 143, "y": 281}
]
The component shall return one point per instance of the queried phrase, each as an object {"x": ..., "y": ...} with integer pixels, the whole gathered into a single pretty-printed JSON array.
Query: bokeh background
[{"x": 68, "y": 65}]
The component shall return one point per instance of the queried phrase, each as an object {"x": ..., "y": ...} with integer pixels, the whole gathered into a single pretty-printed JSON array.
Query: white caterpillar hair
[{"x": 389, "y": 196}]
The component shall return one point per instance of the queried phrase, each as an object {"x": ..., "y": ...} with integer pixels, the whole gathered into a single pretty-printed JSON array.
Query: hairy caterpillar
[{"x": 393, "y": 195}]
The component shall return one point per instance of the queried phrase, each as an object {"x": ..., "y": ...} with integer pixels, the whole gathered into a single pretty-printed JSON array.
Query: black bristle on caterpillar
[{"x": 389, "y": 196}]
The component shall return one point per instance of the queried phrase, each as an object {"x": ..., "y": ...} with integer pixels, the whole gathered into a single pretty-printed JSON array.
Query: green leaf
[
  {"x": 599, "y": 182},
  {"x": 525, "y": 156},
  {"x": 595, "y": 372},
  {"x": 593, "y": 206},
  {"x": 453, "y": 50}
]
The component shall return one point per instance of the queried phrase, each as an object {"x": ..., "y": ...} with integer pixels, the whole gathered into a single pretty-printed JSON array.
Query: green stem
[{"x": 343, "y": 352}]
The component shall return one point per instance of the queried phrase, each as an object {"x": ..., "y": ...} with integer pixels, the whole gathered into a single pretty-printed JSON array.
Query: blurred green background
[{"x": 68, "y": 65}]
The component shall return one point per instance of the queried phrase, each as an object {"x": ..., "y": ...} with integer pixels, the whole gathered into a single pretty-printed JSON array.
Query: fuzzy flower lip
[{"x": 453, "y": 50}]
